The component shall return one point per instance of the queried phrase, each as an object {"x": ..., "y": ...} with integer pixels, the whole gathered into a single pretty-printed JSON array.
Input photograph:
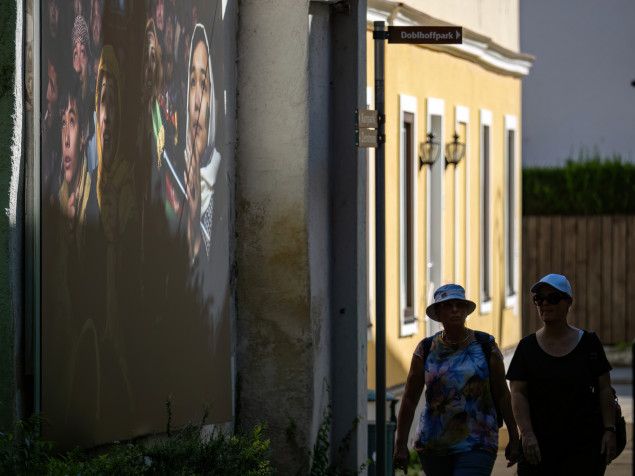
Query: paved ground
[
  {"x": 622, "y": 466},
  {"x": 621, "y": 378}
]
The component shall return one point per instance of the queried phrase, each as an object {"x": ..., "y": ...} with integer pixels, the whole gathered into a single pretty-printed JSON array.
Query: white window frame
[
  {"x": 407, "y": 104},
  {"x": 511, "y": 188},
  {"x": 486, "y": 120},
  {"x": 462, "y": 116},
  {"x": 435, "y": 107}
]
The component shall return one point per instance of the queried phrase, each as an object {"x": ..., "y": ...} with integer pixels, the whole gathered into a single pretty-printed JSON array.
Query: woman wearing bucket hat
[
  {"x": 561, "y": 391},
  {"x": 457, "y": 432}
]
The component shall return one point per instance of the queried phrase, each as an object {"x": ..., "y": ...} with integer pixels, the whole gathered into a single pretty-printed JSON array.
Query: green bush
[
  {"x": 588, "y": 186},
  {"x": 188, "y": 452}
]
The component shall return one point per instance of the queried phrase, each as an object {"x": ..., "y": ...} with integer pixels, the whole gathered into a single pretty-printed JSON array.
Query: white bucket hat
[{"x": 445, "y": 293}]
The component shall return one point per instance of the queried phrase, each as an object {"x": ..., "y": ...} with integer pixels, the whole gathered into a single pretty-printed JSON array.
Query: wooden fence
[{"x": 597, "y": 255}]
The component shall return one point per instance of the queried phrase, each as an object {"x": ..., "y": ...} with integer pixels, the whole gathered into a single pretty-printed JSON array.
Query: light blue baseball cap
[
  {"x": 445, "y": 293},
  {"x": 556, "y": 281}
]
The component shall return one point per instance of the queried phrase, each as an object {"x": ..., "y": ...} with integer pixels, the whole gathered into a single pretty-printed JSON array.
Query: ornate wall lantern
[
  {"x": 428, "y": 151},
  {"x": 454, "y": 151}
]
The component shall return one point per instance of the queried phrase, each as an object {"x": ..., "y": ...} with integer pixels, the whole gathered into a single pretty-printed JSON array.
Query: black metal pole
[{"x": 380, "y": 253}]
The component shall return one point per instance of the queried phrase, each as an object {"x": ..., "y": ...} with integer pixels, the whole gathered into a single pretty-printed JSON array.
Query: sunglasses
[{"x": 553, "y": 298}]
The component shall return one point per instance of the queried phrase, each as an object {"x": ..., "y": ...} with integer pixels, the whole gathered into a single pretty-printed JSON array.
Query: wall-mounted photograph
[{"x": 134, "y": 207}]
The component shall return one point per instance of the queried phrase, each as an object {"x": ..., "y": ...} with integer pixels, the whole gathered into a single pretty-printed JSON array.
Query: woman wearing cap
[
  {"x": 557, "y": 375},
  {"x": 457, "y": 432}
]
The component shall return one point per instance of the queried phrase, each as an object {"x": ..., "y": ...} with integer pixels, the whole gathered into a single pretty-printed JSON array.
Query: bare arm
[
  {"x": 409, "y": 401},
  {"x": 503, "y": 402},
  {"x": 607, "y": 408},
  {"x": 520, "y": 407}
]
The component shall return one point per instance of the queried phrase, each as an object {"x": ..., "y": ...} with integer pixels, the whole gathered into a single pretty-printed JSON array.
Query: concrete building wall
[
  {"x": 300, "y": 346},
  {"x": 276, "y": 335}
]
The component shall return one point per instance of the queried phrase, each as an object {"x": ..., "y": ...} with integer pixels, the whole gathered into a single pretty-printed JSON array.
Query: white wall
[
  {"x": 496, "y": 19},
  {"x": 578, "y": 94}
]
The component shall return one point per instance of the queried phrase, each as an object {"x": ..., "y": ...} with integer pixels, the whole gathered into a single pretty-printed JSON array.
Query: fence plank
[
  {"x": 543, "y": 236},
  {"x": 569, "y": 245},
  {"x": 630, "y": 279},
  {"x": 618, "y": 315},
  {"x": 606, "y": 264},
  {"x": 581, "y": 294},
  {"x": 530, "y": 259},
  {"x": 556, "y": 245},
  {"x": 544, "y": 261},
  {"x": 594, "y": 280}
]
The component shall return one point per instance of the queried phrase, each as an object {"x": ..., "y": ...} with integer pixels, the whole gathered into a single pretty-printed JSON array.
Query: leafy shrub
[
  {"x": 589, "y": 186},
  {"x": 7, "y": 45},
  {"x": 188, "y": 452}
]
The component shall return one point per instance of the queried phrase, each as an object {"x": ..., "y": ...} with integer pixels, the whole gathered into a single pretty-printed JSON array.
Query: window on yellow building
[
  {"x": 511, "y": 256},
  {"x": 486, "y": 212},
  {"x": 408, "y": 218},
  {"x": 407, "y": 214}
]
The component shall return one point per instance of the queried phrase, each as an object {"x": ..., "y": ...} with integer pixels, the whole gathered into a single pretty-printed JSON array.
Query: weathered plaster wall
[{"x": 276, "y": 336}]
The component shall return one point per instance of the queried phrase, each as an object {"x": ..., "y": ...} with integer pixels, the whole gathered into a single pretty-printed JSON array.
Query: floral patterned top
[{"x": 459, "y": 413}]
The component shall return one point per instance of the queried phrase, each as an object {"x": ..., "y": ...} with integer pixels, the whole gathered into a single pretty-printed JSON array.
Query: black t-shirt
[{"x": 563, "y": 400}]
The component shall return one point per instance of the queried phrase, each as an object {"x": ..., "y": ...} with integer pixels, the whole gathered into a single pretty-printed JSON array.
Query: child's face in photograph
[
  {"x": 71, "y": 137},
  {"x": 108, "y": 118}
]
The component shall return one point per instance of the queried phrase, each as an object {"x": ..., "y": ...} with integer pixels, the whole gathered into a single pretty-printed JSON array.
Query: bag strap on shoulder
[
  {"x": 427, "y": 344},
  {"x": 483, "y": 338}
]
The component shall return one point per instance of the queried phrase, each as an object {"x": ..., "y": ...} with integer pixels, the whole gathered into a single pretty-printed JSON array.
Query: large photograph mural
[{"x": 135, "y": 200}]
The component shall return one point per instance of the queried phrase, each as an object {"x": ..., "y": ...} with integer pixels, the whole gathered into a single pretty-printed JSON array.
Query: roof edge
[{"x": 477, "y": 48}]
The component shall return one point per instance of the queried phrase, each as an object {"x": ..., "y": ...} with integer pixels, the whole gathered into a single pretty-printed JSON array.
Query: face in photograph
[
  {"x": 52, "y": 94},
  {"x": 169, "y": 36},
  {"x": 54, "y": 18},
  {"x": 107, "y": 117},
  {"x": 187, "y": 41},
  {"x": 159, "y": 14},
  {"x": 150, "y": 60},
  {"x": 78, "y": 8},
  {"x": 194, "y": 14},
  {"x": 199, "y": 106},
  {"x": 80, "y": 64},
  {"x": 95, "y": 23},
  {"x": 71, "y": 140}
]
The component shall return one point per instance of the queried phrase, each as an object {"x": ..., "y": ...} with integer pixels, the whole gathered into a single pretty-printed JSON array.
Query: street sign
[
  {"x": 366, "y": 137},
  {"x": 438, "y": 35},
  {"x": 366, "y": 118}
]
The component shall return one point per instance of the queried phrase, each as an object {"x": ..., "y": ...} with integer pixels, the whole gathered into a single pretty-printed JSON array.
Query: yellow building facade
[{"x": 447, "y": 223}]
